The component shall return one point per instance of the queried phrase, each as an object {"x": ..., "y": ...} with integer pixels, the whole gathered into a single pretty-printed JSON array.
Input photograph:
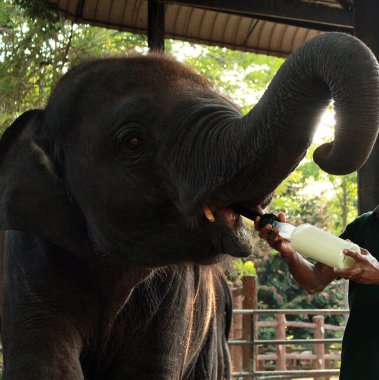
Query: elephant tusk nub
[{"x": 208, "y": 213}]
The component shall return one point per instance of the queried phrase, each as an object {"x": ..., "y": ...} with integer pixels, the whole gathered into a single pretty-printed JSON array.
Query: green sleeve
[
  {"x": 349, "y": 232},
  {"x": 355, "y": 228}
]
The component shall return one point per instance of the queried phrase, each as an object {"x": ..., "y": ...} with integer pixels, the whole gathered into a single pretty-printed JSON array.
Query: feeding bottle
[
  {"x": 308, "y": 240},
  {"x": 318, "y": 244}
]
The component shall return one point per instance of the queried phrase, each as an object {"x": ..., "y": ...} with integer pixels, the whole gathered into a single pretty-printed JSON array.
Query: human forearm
[{"x": 311, "y": 277}]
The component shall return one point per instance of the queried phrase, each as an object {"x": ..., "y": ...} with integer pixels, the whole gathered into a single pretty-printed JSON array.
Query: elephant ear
[{"x": 33, "y": 198}]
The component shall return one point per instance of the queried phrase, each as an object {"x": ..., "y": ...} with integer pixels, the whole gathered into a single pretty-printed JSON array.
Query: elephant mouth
[
  {"x": 226, "y": 230},
  {"x": 231, "y": 215},
  {"x": 228, "y": 216}
]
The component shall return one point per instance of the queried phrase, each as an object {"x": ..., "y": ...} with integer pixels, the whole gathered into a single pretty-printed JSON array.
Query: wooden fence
[{"x": 280, "y": 358}]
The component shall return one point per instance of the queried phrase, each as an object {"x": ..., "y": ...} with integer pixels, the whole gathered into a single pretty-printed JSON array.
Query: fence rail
[
  {"x": 291, "y": 311},
  {"x": 263, "y": 375},
  {"x": 284, "y": 341},
  {"x": 246, "y": 348}
]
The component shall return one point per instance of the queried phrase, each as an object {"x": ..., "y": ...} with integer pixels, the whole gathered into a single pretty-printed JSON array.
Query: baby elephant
[{"x": 120, "y": 203}]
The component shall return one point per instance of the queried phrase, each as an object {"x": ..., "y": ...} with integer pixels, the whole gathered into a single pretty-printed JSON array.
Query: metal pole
[
  {"x": 155, "y": 21},
  {"x": 366, "y": 26}
]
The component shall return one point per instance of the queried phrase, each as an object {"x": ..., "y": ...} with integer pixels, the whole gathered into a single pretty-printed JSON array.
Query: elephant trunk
[
  {"x": 335, "y": 66},
  {"x": 236, "y": 158},
  {"x": 280, "y": 128}
]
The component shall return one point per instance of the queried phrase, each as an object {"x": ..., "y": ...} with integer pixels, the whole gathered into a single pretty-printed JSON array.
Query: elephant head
[{"x": 128, "y": 151}]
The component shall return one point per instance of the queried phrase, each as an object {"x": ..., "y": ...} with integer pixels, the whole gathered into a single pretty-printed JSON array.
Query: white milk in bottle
[{"x": 322, "y": 246}]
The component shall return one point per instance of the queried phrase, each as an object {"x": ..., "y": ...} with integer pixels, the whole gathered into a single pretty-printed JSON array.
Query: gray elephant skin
[{"x": 112, "y": 271}]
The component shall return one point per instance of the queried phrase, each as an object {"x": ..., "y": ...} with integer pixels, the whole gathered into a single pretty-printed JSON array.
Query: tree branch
[{"x": 65, "y": 56}]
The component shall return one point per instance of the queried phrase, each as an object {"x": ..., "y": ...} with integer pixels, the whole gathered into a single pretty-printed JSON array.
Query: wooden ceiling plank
[
  {"x": 297, "y": 12},
  {"x": 134, "y": 19}
]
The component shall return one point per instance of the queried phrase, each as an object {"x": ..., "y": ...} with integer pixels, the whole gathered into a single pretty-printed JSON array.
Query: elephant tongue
[{"x": 228, "y": 215}]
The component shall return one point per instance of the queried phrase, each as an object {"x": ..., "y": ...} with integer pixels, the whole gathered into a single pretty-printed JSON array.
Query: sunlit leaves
[
  {"x": 241, "y": 268},
  {"x": 313, "y": 196},
  {"x": 242, "y": 76},
  {"x": 36, "y": 48}
]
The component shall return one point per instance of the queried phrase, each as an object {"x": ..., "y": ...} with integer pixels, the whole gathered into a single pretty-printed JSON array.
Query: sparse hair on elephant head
[{"x": 128, "y": 151}]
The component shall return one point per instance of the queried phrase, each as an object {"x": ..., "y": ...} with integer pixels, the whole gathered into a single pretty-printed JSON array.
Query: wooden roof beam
[
  {"x": 347, "y": 4},
  {"x": 297, "y": 12}
]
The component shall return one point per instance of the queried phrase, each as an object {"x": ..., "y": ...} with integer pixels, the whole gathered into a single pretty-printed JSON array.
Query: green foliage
[
  {"x": 32, "y": 56},
  {"x": 310, "y": 195},
  {"x": 244, "y": 76},
  {"x": 36, "y": 51},
  {"x": 241, "y": 268},
  {"x": 38, "y": 9}
]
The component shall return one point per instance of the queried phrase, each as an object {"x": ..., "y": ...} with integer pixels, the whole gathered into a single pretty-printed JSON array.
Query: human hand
[
  {"x": 273, "y": 238},
  {"x": 364, "y": 271}
]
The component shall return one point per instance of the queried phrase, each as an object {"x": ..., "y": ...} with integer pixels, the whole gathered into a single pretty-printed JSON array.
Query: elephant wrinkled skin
[{"x": 111, "y": 269}]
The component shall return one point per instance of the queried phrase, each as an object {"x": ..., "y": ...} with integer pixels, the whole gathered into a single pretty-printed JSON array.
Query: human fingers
[
  {"x": 343, "y": 273},
  {"x": 274, "y": 239},
  {"x": 265, "y": 231},
  {"x": 256, "y": 223},
  {"x": 357, "y": 256},
  {"x": 365, "y": 252},
  {"x": 282, "y": 217},
  {"x": 349, "y": 273}
]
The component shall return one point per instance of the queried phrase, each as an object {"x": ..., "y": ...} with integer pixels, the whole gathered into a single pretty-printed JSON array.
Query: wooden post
[
  {"x": 155, "y": 27},
  {"x": 366, "y": 28},
  {"x": 280, "y": 334},
  {"x": 236, "y": 352},
  {"x": 249, "y": 293},
  {"x": 319, "y": 348},
  {"x": 2, "y": 247}
]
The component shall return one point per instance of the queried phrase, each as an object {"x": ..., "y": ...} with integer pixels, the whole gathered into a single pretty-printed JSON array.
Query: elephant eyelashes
[
  {"x": 130, "y": 144},
  {"x": 131, "y": 138}
]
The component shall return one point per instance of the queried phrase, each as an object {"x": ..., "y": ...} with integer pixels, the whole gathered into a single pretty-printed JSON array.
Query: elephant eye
[
  {"x": 134, "y": 141},
  {"x": 130, "y": 141}
]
